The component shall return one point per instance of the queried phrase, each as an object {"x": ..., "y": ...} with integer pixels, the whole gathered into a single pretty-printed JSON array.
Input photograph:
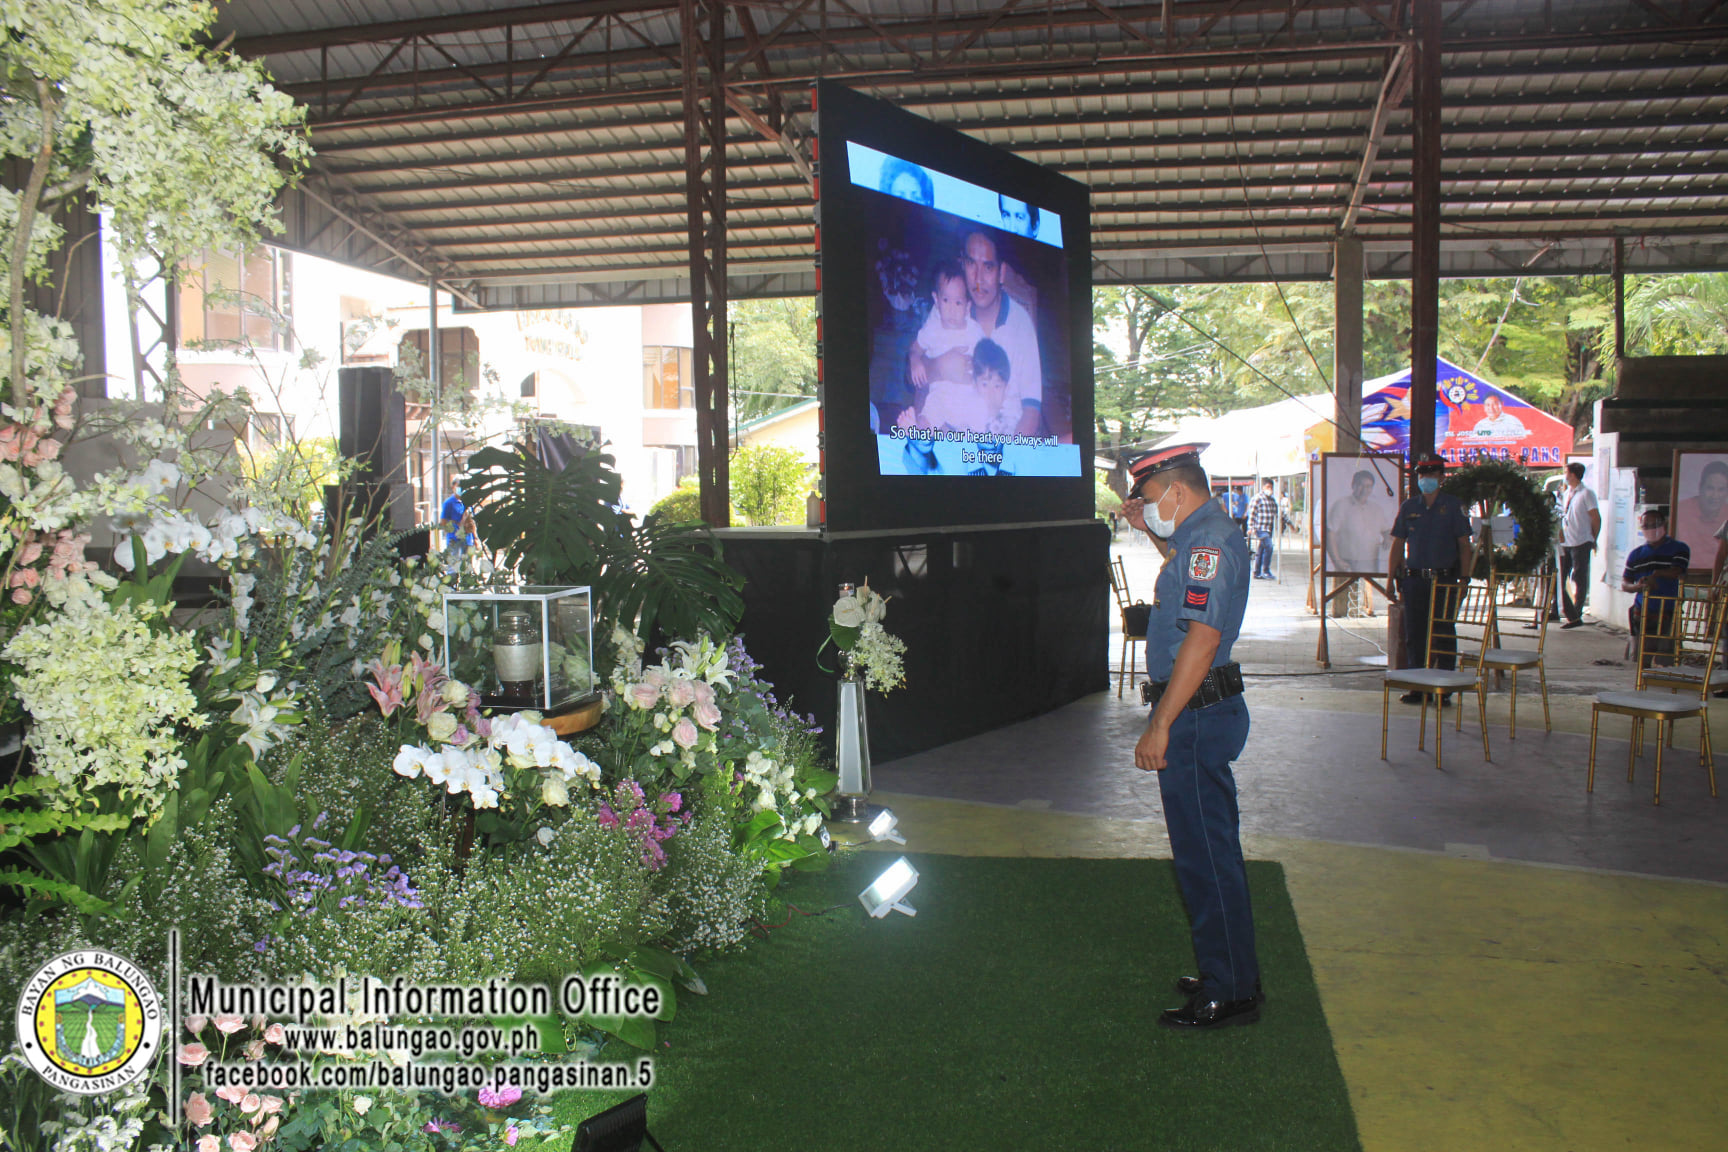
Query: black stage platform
[{"x": 1000, "y": 624}]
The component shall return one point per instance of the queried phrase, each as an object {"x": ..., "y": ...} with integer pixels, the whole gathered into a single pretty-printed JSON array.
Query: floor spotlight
[
  {"x": 619, "y": 1129},
  {"x": 883, "y": 827},
  {"x": 888, "y": 893}
]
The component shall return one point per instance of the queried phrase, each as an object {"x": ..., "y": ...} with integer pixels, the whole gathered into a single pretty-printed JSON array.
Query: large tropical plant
[{"x": 566, "y": 527}]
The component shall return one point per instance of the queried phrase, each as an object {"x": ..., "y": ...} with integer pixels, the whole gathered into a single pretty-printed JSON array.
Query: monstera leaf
[
  {"x": 566, "y": 527},
  {"x": 551, "y": 526},
  {"x": 668, "y": 575}
]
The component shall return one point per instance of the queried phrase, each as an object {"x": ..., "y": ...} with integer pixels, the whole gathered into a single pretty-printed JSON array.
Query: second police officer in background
[{"x": 1430, "y": 543}]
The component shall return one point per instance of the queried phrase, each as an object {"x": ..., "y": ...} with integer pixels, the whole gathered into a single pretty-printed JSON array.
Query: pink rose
[
  {"x": 250, "y": 1103},
  {"x": 198, "y": 1109},
  {"x": 275, "y": 1035},
  {"x": 644, "y": 696},
  {"x": 656, "y": 677},
  {"x": 228, "y": 1025},
  {"x": 210, "y": 1142},
  {"x": 242, "y": 1141},
  {"x": 704, "y": 691},
  {"x": 272, "y": 1105},
  {"x": 707, "y": 715},
  {"x": 681, "y": 693},
  {"x": 684, "y": 733},
  {"x": 270, "y": 1127},
  {"x": 232, "y": 1093},
  {"x": 193, "y": 1055},
  {"x": 197, "y": 1024},
  {"x": 254, "y": 1049}
]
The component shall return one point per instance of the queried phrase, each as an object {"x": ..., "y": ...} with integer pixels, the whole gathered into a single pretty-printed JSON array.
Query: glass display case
[{"x": 522, "y": 646}]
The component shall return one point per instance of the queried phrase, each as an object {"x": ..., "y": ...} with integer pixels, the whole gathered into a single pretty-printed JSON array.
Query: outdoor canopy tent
[
  {"x": 1473, "y": 420},
  {"x": 1271, "y": 440}
]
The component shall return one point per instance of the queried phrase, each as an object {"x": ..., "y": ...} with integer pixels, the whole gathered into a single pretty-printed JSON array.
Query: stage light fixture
[
  {"x": 619, "y": 1129},
  {"x": 888, "y": 893},
  {"x": 884, "y": 826}
]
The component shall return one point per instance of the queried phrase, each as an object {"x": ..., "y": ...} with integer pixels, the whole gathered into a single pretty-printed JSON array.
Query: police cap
[
  {"x": 1143, "y": 468},
  {"x": 1428, "y": 462}
]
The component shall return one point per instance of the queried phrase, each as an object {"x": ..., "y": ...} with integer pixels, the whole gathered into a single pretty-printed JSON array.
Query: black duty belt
[{"x": 1221, "y": 683}]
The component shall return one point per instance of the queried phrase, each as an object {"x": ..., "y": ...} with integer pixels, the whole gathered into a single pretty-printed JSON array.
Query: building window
[
  {"x": 530, "y": 385},
  {"x": 227, "y": 299},
  {"x": 458, "y": 356},
  {"x": 668, "y": 378}
]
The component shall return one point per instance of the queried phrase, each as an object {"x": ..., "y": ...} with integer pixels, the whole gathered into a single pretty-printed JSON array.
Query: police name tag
[{"x": 1203, "y": 563}]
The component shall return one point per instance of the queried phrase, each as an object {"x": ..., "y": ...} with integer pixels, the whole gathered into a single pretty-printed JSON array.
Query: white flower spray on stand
[{"x": 872, "y": 654}]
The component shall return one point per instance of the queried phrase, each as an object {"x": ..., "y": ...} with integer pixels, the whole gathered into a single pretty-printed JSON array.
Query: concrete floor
[{"x": 1506, "y": 962}]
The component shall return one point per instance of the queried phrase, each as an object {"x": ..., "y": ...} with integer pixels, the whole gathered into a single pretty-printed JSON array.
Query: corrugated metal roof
[{"x": 536, "y": 153}]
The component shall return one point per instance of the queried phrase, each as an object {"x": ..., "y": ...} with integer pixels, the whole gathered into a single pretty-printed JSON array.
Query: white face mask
[{"x": 1161, "y": 527}]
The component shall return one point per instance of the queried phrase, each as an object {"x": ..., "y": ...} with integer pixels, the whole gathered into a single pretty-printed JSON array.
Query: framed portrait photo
[
  {"x": 1360, "y": 497},
  {"x": 1698, "y": 504}
]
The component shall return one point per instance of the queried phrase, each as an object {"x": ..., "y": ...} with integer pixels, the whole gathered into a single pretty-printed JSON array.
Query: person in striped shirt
[{"x": 1262, "y": 523}]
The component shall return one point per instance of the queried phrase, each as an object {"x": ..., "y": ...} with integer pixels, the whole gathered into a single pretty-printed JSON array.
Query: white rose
[
  {"x": 362, "y": 1105},
  {"x": 441, "y": 726},
  {"x": 545, "y": 836},
  {"x": 455, "y": 693},
  {"x": 553, "y": 793},
  {"x": 848, "y": 613}
]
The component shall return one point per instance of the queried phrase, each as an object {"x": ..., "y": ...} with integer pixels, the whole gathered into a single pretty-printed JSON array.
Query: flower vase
[{"x": 852, "y": 752}]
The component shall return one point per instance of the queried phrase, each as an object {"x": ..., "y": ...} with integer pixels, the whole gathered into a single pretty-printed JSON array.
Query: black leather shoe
[
  {"x": 1200, "y": 1014},
  {"x": 1192, "y": 986},
  {"x": 1411, "y": 698}
]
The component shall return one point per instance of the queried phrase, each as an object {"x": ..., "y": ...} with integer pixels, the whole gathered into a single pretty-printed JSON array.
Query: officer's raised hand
[{"x": 1134, "y": 511}]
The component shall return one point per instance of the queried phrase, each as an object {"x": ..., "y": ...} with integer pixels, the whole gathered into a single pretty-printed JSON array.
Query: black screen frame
[{"x": 857, "y": 496}]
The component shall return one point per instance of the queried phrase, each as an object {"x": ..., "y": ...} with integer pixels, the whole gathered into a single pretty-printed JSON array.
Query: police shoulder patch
[{"x": 1203, "y": 563}]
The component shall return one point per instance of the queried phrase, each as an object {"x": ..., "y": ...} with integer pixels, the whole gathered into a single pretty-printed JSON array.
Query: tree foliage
[
  {"x": 773, "y": 354},
  {"x": 769, "y": 483}
]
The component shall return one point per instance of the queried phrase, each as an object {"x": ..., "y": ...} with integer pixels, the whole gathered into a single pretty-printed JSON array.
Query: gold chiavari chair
[
  {"x": 1660, "y": 626},
  {"x": 1135, "y": 618},
  {"x": 1450, "y": 606},
  {"x": 1513, "y": 660}
]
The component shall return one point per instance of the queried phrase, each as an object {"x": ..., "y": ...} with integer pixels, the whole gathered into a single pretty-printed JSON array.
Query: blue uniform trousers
[{"x": 1200, "y": 811}]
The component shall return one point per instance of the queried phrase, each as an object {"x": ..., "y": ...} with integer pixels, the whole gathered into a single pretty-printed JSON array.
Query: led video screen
[{"x": 956, "y": 326}]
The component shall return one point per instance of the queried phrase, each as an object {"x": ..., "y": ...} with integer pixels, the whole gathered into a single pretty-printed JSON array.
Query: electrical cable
[{"x": 761, "y": 930}]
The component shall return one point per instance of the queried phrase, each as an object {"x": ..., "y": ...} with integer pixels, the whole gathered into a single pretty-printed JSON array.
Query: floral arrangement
[
  {"x": 486, "y": 759},
  {"x": 107, "y": 692},
  {"x": 666, "y": 715},
  {"x": 871, "y": 653},
  {"x": 651, "y": 824}
]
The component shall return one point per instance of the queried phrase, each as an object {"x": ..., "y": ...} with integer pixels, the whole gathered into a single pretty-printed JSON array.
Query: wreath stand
[{"x": 1323, "y": 649}]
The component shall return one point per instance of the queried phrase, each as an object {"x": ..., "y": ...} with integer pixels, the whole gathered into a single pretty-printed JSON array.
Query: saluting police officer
[
  {"x": 1430, "y": 542},
  {"x": 1199, "y": 724}
]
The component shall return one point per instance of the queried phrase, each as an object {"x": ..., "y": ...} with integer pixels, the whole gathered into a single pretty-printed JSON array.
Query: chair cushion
[
  {"x": 1512, "y": 657},
  {"x": 1436, "y": 678},
  {"x": 1665, "y": 702}
]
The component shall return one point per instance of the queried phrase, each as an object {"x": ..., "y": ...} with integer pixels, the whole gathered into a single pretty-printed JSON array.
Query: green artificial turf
[{"x": 1015, "y": 1011}]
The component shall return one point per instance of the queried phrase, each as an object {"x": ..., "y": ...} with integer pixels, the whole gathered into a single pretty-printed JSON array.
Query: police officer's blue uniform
[
  {"x": 1430, "y": 534},
  {"x": 1205, "y": 580}
]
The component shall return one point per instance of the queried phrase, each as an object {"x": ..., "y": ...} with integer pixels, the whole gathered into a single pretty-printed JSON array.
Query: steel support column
[
  {"x": 1347, "y": 341},
  {"x": 703, "y": 27},
  {"x": 1425, "y": 224}
]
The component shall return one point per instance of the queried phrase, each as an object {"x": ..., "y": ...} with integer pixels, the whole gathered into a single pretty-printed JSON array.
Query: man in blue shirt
[
  {"x": 1657, "y": 567},
  {"x": 1199, "y": 724},
  {"x": 1430, "y": 542},
  {"x": 450, "y": 523}
]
